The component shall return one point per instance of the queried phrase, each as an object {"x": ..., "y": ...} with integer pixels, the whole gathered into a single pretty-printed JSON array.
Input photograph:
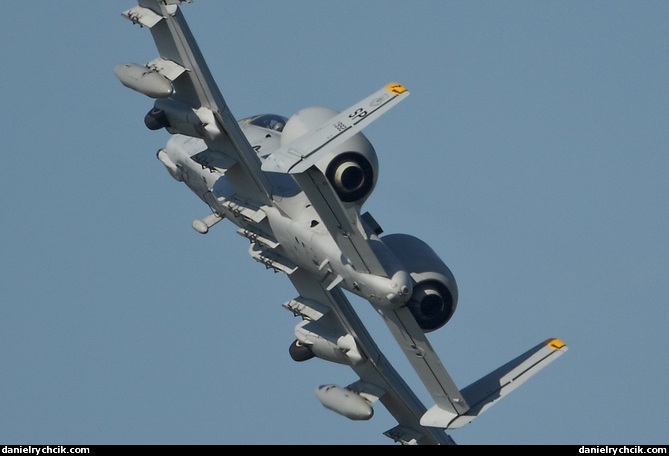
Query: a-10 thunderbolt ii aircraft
[{"x": 295, "y": 187}]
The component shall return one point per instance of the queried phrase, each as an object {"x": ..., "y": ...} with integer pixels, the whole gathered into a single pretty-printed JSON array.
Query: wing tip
[
  {"x": 396, "y": 88},
  {"x": 556, "y": 344}
]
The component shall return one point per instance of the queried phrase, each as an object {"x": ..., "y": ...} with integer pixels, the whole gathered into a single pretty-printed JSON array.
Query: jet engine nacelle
[
  {"x": 435, "y": 292},
  {"x": 351, "y": 168},
  {"x": 345, "y": 402}
]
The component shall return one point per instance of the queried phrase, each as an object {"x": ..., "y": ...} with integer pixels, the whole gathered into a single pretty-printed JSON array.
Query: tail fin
[{"x": 483, "y": 393}]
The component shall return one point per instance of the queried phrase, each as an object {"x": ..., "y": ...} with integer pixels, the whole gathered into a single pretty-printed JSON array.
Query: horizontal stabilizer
[
  {"x": 305, "y": 151},
  {"x": 483, "y": 393}
]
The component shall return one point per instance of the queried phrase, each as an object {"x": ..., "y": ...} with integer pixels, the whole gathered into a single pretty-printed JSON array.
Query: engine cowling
[
  {"x": 351, "y": 168},
  {"x": 435, "y": 292}
]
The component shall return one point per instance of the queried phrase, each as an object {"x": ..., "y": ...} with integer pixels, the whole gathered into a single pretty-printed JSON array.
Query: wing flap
[
  {"x": 425, "y": 361},
  {"x": 343, "y": 223}
]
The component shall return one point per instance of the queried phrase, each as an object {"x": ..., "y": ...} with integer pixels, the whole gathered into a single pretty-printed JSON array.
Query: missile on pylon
[{"x": 344, "y": 401}]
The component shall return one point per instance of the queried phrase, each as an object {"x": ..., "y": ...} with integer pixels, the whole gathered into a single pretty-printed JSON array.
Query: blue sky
[{"x": 532, "y": 155}]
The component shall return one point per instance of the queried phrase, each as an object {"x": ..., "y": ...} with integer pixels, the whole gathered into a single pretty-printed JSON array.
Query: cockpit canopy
[{"x": 270, "y": 121}]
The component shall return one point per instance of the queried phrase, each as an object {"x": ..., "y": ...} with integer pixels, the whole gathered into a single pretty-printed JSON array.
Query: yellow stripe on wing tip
[
  {"x": 555, "y": 344},
  {"x": 396, "y": 88}
]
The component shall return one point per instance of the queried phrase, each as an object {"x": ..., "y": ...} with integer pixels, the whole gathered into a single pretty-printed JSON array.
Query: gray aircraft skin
[{"x": 295, "y": 187}]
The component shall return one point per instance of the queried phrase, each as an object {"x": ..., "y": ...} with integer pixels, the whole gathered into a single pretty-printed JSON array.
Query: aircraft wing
[
  {"x": 188, "y": 96},
  {"x": 329, "y": 314}
]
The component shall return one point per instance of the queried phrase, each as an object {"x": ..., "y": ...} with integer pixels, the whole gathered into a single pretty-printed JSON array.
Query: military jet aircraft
[{"x": 294, "y": 187}]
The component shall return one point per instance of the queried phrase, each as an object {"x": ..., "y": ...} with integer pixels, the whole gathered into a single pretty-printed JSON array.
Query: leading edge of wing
[{"x": 373, "y": 368}]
